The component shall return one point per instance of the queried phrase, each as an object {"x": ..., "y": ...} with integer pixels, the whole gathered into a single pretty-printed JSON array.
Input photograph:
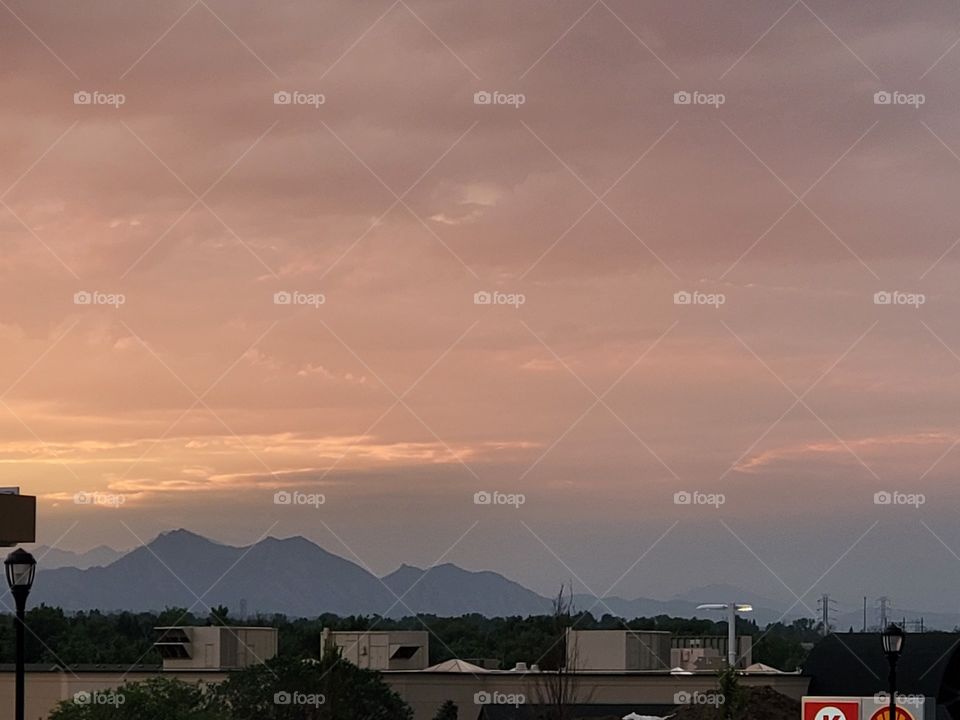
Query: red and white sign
[
  {"x": 885, "y": 713},
  {"x": 830, "y": 709},
  {"x": 909, "y": 707}
]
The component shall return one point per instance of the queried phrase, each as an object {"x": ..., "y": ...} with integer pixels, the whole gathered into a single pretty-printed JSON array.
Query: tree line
[{"x": 124, "y": 638}]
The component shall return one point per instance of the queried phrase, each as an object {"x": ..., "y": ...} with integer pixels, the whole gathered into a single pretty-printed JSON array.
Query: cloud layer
[{"x": 684, "y": 295}]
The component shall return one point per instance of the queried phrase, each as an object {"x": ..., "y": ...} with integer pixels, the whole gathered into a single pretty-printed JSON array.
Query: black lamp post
[
  {"x": 893, "y": 638},
  {"x": 21, "y": 568}
]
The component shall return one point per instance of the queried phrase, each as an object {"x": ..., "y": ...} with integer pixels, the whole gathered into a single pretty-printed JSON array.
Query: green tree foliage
[
  {"x": 782, "y": 646},
  {"x": 281, "y": 689},
  {"x": 734, "y": 698},
  {"x": 54, "y": 637},
  {"x": 447, "y": 711},
  {"x": 303, "y": 689},
  {"x": 219, "y": 615},
  {"x": 154, "y": 699}
]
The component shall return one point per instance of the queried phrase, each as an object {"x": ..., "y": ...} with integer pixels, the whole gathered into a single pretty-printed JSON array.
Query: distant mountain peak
[
  {"x": 307, "y": 580},
  {"x": 292, "y": 540},
  {"x": 185, "y": 534},
  {"x": 50, "y": 558}
]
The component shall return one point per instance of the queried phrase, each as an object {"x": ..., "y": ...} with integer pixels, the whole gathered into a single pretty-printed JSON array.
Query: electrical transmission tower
[
  {"x": 883, "y": 605},
  {"x": 823, "y": 605}
]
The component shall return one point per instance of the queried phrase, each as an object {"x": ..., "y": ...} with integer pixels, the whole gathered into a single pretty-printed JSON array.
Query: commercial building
[
  {"x": 618, "y": 650},
  {"x": 381, "y": 650},
  {"x": 708, "y": 652},
  {"x": 840, "y": 665},
  {"x": 424, "y": 690},
  {"x": 652, "y": 650},
  {"x": 214, "y": 647}
]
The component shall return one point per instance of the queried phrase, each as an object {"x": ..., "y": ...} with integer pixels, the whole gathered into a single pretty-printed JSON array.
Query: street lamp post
[
  {"x": 893, "y": 638},
  {"x": 20, "y": 567},
  {"x": 732, "y": 610}
]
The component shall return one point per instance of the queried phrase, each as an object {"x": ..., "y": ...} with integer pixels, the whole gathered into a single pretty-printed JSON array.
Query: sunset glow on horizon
[{"x": 399, "y": 254}]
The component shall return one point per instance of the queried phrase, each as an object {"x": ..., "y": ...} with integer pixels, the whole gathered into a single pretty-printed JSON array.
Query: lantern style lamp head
[
  {"x": 21, "y": 567},
  {"x": 893, "y": 638}
]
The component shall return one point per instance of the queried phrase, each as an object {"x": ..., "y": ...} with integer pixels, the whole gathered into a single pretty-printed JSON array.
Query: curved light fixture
[{"x": 732, "y": 610}]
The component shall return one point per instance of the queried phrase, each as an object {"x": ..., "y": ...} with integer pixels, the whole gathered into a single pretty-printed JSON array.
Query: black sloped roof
[{"x": 854, "y": 664}]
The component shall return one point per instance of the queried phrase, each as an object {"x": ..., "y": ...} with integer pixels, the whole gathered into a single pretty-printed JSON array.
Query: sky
[{"x": 673, "y": 283}]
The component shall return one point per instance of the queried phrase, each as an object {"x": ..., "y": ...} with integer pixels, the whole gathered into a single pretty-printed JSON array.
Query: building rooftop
[
  {"x": 456, "y": 666},
  {"x": 646, "y": 673},
  {"x": 83, "y": 668},
  {"x": 854, "y": 664}
]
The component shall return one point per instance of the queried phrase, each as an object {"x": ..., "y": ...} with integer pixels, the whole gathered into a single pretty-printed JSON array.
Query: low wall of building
[
  {"x": 45, "y": 689},
  {"x": 424, "y": 691}
]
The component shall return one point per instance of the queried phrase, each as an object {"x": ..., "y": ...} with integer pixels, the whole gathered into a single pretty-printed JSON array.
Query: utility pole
[{"x": 864, "y": 613}]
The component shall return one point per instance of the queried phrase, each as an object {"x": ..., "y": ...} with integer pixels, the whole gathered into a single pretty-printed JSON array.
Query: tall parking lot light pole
[
  {"x": 20, "y": 567},
  {"x": 732, "y": 610}
]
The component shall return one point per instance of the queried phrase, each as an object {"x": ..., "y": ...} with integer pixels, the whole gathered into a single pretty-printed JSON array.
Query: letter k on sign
[{"x": 826, "y": 709}]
